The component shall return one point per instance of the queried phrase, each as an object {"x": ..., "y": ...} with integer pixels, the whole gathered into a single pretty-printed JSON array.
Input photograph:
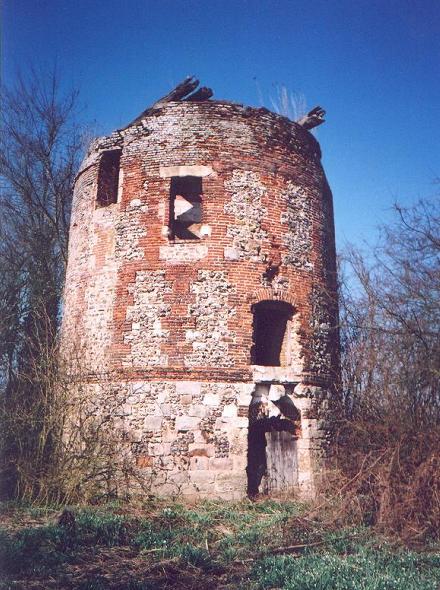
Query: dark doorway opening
[
  {"x": 271, "y": 327},
  {"x": 185, "y": 207}
]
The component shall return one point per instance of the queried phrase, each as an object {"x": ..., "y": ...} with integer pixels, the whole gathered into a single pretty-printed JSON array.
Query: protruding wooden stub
[{"x": 314, "y": 118}]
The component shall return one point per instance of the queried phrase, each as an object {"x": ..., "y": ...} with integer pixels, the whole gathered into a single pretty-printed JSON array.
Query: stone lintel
[
  {"x": 182, "y": 253},
  {"x": 170, "y": 171},
  {"x": 284, "y": 375}
]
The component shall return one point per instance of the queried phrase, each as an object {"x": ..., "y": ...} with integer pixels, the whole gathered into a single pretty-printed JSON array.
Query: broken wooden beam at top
[
  {"x": 186, "y": 91},
  {"x": 201, "y": 94},
  {"x": 314, "y": 118},
  {"x": 183, "y": 91},
  {"x": 179, "y": 92}
]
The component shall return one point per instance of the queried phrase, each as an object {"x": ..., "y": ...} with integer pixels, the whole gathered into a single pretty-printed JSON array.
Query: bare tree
[
  {"x": 40, "y": 148},
  {"x": 387, "y": 455},
  {"x": 392, "y": 319}
]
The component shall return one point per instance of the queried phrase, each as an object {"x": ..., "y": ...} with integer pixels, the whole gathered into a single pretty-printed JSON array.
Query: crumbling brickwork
[{"x": 168, "y": 318}]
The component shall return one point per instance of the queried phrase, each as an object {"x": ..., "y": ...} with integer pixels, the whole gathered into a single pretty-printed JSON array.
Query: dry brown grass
[{"x": 384, "y": 476}]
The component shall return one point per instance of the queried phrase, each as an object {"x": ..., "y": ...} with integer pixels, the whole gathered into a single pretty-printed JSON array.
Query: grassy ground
[{"x": 251, "y": 546}]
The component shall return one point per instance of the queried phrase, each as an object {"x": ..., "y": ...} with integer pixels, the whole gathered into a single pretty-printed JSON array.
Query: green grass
[
  {"x": 361, "y": 570},
  {"x": 32, "y": 549},
  {"x": 209, "y": 541},
  {"x": 98, "y": 528}
]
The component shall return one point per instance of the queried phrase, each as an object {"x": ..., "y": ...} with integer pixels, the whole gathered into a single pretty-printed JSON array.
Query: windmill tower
[{"x": 201, "y": 288}]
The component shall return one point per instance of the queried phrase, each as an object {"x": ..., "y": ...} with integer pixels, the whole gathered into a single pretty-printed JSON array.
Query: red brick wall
[
  {"x": 266, "y": 199},
  {"x": 160, "y": 331}
]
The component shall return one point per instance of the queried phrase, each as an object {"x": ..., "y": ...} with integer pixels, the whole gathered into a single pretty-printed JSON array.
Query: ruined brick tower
[{"x": 200, "y": 291}]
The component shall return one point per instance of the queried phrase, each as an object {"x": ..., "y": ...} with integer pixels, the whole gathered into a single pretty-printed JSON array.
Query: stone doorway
[{"x": 274, "y": 424}]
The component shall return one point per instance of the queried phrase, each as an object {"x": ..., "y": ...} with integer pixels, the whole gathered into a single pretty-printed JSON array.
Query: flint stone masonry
[
  {"x": 321, "y": 325},
  {"x": 146, "y": 313},
  {"x": 298, "y": 218},
  {"x": 247, "y": 232},
  {"x": 183, "y": 253},
  {"x": 130, "y": 230},
  {"x": 164, "y": 328},
  {"x": 211, "y": 313}
]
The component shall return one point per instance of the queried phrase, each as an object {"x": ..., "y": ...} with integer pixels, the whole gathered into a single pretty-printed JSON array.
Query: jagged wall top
[{"x": 187, "y": 92}]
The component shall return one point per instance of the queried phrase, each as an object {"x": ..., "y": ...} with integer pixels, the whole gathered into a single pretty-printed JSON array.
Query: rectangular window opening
[
  {"x": 271, "y": 333},
  {"x": 108, "y": 178},
  {"x": 185, "y": 207}
]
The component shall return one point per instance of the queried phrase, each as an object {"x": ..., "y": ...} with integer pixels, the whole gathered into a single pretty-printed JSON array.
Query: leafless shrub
[
  {"x": 289, "y": 104},
  {"x": 68, "y": 443},
  {"x": 385, "y": 478},
  {"x": 385, "y": 464},
  {"x": 96, "y": 447}
]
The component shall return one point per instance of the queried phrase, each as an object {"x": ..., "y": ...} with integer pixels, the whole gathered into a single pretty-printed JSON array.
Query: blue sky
[{"x": 373, "y": 65}]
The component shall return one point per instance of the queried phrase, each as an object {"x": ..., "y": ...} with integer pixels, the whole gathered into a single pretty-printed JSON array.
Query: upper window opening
[
  {"x": 271, "y": 333},
  {"x": 185, "y": 207},
  {"x": 108, "y": 177}
]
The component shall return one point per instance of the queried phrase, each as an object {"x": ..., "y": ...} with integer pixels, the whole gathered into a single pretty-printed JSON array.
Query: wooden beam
[
  {"x": 314, "y": 118},
  {"x": 199, "y": 95},
  {"x": 179, "y": 92}
]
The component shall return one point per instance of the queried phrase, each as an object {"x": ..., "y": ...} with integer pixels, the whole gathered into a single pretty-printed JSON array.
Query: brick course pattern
[{"x": 168, "y": 322}]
